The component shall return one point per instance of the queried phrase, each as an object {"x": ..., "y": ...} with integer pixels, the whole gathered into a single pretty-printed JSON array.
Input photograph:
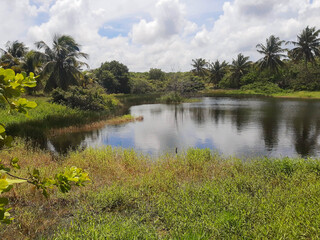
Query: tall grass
[
  {"x": 193, "y": 195},
  {"x": 47, "y": 116}
]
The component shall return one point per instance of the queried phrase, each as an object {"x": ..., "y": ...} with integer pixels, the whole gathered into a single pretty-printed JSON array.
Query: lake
[{"x": 241, "y": 126}]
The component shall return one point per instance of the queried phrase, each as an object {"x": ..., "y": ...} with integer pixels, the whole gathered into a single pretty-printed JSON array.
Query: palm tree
[
  {"x": 217, "y": 70},
  {"x": 13, "y": 54},
  {"x": 239, "y": 68},
  {"x": 61, "y": 62},
  {"x": 199, "y": 65},
  {"x": 272, "y": 52},
  {"x": 307, "y": 46}
]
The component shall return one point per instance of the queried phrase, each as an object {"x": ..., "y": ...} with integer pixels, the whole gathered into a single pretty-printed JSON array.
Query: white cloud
[
  {"x": 169, "y": 20},
  {"x": 161, "y": 33}
]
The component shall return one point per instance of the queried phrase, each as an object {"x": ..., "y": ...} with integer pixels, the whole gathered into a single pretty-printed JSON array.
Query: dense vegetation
[
  {"x": 195, "y": 195},
  {"x": 292, "y": 65}
]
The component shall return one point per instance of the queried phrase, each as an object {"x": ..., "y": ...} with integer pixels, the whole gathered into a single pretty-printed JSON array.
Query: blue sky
[{"x": 166, "y": 34}]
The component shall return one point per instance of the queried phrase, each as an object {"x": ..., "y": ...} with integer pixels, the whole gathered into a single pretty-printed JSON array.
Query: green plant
[
  {"x": 263, "y": 87},
  {"x": 11, "y": 87},
  {"x": 86, "y": 99},
  {"x": 172, "y": 97}
]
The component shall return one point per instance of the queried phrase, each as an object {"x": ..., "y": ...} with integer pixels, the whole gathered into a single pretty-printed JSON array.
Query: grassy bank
[
  {"x": 47, "y": 116},
  {"x": 284, "y": 94},
  {"x": 96, "y": 125},
  {"x": 194, "y": 195}
]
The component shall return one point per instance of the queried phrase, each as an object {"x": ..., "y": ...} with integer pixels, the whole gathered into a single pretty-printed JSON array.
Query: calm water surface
[{"x": 231, "y": 126}]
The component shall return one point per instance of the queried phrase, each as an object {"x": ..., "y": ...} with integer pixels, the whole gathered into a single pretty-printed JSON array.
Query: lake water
[{"x": 244, "y": 127}]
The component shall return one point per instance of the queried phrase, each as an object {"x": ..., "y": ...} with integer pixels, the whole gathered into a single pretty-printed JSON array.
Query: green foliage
[
  {"x": 199, "y": 67},
  {"x": 307, "y": 46},
  {"x": 156, "y": 74},
  {"x": 11, "y": 87},
  {"x": 61, "y": 64},
  {"x": 262, "y": 87},
  {"x": 141, "y": 86},
  {"x": 273, "y": 52},
  {"x": 199, "y": 195},
  {"x": 114, "y": 77},
  {"x": 184, "y": 83},
  {"x": 172, "y": 97},
  {"x": 86, "y": 99},
  {"x": 301, "y": 78}
]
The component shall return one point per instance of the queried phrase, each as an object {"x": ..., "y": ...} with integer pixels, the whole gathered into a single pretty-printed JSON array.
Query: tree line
[
  {"x": 296, "y": 68},
  {"x": 61, "y": 66}
]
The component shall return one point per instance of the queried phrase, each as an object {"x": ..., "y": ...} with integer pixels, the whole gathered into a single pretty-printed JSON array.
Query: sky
[{"x": 165, "y": 34}]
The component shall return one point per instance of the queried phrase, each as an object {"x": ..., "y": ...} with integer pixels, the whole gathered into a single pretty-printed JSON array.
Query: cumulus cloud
[
  {"x": 165, "y": 34},
  {"x": 169, "y": 20}
]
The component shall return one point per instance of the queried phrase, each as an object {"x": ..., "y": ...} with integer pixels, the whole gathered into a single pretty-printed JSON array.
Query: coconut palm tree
[
  {"x": 239, "y": 68},
  {"x": 61, "y": 62},
  {"x": 13, "y": 54},
  {"x": 199, "y": 65},
  {"x": 273, "y": 52},
  {"x": 307, "y": 46},
  {"x": 217, "y": 70}
]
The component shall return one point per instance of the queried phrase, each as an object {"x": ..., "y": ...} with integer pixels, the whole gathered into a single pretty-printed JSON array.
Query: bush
[
  {"x": 172, "y": 97},
  {"x": 263, "y": 87},
  {"x": 140, "y": 86},
  {"x": 185, "y": 84},
  {"x": 85, "y": 99},
  {"x": 306, "y": 81}
]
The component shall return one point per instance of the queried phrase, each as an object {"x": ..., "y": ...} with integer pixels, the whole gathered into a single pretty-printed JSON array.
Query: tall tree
[
  {"x": 61, "y": 62},
  {"x": 114, "y": 76},
  {"x": 13, "y": 54},
  {"x": 307, "y": 46},
  {"x": 273, "y": 52},
  {"x": 239, "y": 67},
  {"x": 199, "y": 67},
  {"x": 217, "y": 70}
]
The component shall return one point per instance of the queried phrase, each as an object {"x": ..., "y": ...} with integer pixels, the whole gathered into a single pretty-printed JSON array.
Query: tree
[
  {"x": 199, "y": 66},
  {"x": 114, "y": 76},
  {"x": 217, "y": 70},
  {"x": 307, "y": 46},
  {"x": 239, "y": 68},
  {"x": 61, "y": 62},
  {"x": 13, "y": 54},
  {"x": 272, "y": 52},
  {"x": 156, "y": 74}
]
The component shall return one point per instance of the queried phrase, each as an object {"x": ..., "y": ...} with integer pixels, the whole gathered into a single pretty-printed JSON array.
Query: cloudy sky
[{"x": 164, "y": 34}]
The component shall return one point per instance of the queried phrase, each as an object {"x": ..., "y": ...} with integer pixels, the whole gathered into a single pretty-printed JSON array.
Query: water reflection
[{"x": 231, "y": 126}]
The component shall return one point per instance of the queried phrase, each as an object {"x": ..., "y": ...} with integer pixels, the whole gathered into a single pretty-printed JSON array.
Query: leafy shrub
[
  {"x": 306, "y": 81},
  {"x": 263, "y": 87},
  {"x": 172, "y": 97},
  {"x": 185, "y": 84},
  {"x": 86, "y": 99},
  {"x": 157, "y": 74},
  {"x": 140, "y": 86}
]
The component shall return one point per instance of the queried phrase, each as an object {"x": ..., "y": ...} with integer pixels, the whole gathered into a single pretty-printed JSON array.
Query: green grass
[
  {"x": 284, "y": 94},
  {"x": 46, "y": 116},
  {"x": 194, "y": 195}
]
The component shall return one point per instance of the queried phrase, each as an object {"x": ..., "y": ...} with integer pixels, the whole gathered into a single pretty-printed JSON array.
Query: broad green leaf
[
  {"x": 2, "y": 129},
  {"x": 3, "y": 185},
  {"x": 19, "y": 77},
  {"x": 13, "y": 181},
  {"x": 31, "y": 104}
]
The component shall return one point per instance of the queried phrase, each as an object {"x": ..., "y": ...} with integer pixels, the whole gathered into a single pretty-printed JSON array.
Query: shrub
[
  {"x": 86, "y": 99},
  {"x": 140, "y": 86},
  {"x": 172, "y": 97},
  {"x": 263, "y": 87}
]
